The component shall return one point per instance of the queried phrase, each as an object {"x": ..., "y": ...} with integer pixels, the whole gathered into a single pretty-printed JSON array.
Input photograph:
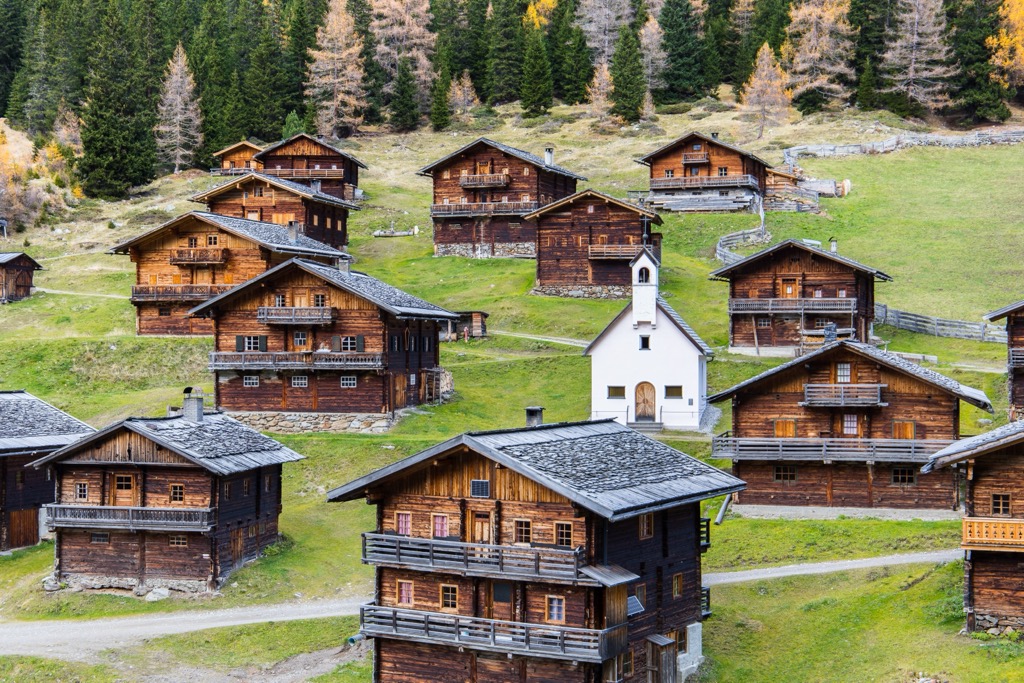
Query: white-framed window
[
  {"x": 446, "y": 174},
  {"x": 670, "y": 173},
  {"x": 590, "y": 208},
  {"x": 723, "y": 171},
  {"x": 850, "y": 425},
  {"x": 280, "y": 300},
  {"x": 348, "y": 343},
  {"x": 300, "y": 381},
  {"x": 764, "y": 322},
  {"x": 844, "y": 373},
  {"x": 412, "y": 379},
  {"x": 81, "y": 491},
  {"x": 299, "y": 337},
  {"x": 211, "y": 240},
  {"x": 348, "y": 382},
  {"x": 819, "y": 323},
  {"x": 819, "y": 293},
  {"x": 841, "y": 293},
  {"x": 252, "y": 342},
  {"x": 556, "y": 609},
  {"x": 250, "y": 381}
]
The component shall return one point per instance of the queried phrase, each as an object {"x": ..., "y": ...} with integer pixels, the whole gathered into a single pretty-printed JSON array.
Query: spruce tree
[
  {"x": 976, "y": 94},
  {"x": 374, "y": 78},
  {"x": 871, "y": 24},
  {"x": 627, "y": 70},
  {"x": 768, "y": 25},
  {"x": 264, "y": 84},
  {"x": 440, "y": 111},
  {"x": 301, "y": 38},
  {"x": 535, "y": 92},
  {"x": 684, "y": 70},
  {"x": 405, "y": 112},
  {"x": 867, "y": 87},
  {"x": 578, "y": 70},
  {"x": 476, "y": 44},
  {"x": 505, "y": 58},
  {"x": 559, "y": 41},
  {"x": 12, "y": 38},
  {"x": 117, "y": 140},
  {"x": 211, "y": 65},
  {"x": 293, "y": 125}
]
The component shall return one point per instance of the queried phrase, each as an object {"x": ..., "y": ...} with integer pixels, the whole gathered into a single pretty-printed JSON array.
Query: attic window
[
  {"x": 696, "y": 147},
  {"x": 211, "y": 240},
  {"x": 193, "y": 242},
  {"x": 480, "y": 488},
  {"x": 590, "y": 208}
]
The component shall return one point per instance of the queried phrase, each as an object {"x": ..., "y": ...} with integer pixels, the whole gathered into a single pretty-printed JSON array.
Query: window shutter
[
  {"x": 360, "y": 343},
  {"x": 239, "y": 343},
  {"x": 336, "y": 343},
  {"x": 263, "y": 342}
]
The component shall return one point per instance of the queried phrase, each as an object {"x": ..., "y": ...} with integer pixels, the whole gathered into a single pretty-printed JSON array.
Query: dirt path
[
  {"x": 551, "y": 340},
  {"x": 67, "y": 293},
  {"x": 936, "y": 556}
]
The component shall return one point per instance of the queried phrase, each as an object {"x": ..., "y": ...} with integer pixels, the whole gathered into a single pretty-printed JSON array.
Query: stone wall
[
  {"x": 585, "y": 291},
  {"x": 995, "y": 625},
  {"x": 301, "y": 423},
  {"x": 77, "y": 581},
  {"x": 501, "y": 250}
]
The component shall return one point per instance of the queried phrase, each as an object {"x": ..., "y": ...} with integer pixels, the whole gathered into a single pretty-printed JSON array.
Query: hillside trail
[
  {"x": 65, "y": 292},
  {"x": 551, "y": 340}
]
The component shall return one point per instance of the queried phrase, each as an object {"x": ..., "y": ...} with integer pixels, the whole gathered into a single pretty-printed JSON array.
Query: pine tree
[
  {"x": 374, "y": 77},
  {"x": 336, "y": 76},
  {"x": 505, "y": 59},
  {"x": 301, "y": 38},
  {"x": 440, "y": 111},
  {"x": 476, "y": 43},
  {"x": 559, "y": 39},
  {"x": 293, "y": 125},
  {"x": 627, "y": 71},
  {"x": 916, "y": 63},
  {"x": 34, "y": 103},
  {"x": 684, "y": 73},
  {"x": 979, "y": 93},
  {"x": 821, "y": 45},
  {"x": 405, "y": 111},
  {"x": 1007, "y": 45},
  {"x": 765, "y": 94},
  {"x": 400, "y": 27},
  {"x": 179, "y": 129},
  {"x": 578, "y": 69},
  {"x": 117, "y": 140},
  {"x": 536, "y": 93},
  {"x": 871, "y": 22},
  {"x": 12, "y": 38},
  {"x": 265, "y": 83},
  {"x": 867, "y": 88},
  {"x": 600, "y": 21},
  {"x": 211, "y": 64}
]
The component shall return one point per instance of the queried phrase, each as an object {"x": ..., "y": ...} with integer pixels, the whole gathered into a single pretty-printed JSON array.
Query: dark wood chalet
[
  {"x": 783, "y": 299},
  {"x": 586, "y": 243},
  {"x": 199, "y": 255},
  {"x": 562, "y": 553},
  {"x": 482, "y": 194},
  {"x": 237, "y": 159},
  {"x": 16, "y": 273},
  {"x": 847, "y": 425},
  {"x": 308, "y": 337},
  {"x": 29, "y": 428},
  {"x": 178, "y": 502},
  {"x": 259, "y": 197},
  {"x": 313, "y": 160},
  {"x": 698, "y": 172},
  {"x": 1014, "y": 314},
  {"x": 992, "y": 467},
  {"x": 470, "y": 325}
]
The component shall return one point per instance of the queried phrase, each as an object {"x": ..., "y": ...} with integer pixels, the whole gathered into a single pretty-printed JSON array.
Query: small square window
[
  {"x": 449, "y": 597},
  {"x": 523, "y": 531},
  {"x": 841, "y": 293},
  {"x": 670, "y": 173},
  {"x": 319, "y": 300},
  {"x": 349, "y": 344},
  {"x": 556, "y": 609},
  {"x": 405, "y": 589},
  {"x": 616, "y": 392},
  {"x": 563, "y": 534},
  {"x": 251, "y": 342},
  {"x": 177, "y": 541},
  {"x": 193, "y": 242},
  {"x": 819, "y": 293},
  {"x": 1000, "y": 503},
  {"x": 785, "y": 473},
  {"x": 645, "y": 343},
  {"x": 403, "y": 523},
  {"x": 904, "y": 475},
  {"x": 440, "y": 526},
  {"x": 590, "y": 208},
  {"x": 81, "y": 491},
  {"x": 300, "y": 381},
  {"x": 299, "y": 337},
  {"x": 250, "y": 381},
  {"x": 764, "y": 322},
  {"x": 820, "y": 323},
  {"x": 280, "y": 300},
  {"x": 646, "y": 526},
  {"x": 177, "y": 493},
  {"x": 696, "y": 147},
  {"x": 673, "y": 392},
  {"x": 677, "y": 585},
  {"x": 99, "y": 537},
  {"x": 123, "y": 482},
  {"x": 211, "y": 240},
  {"x": 348, "y": 382},
  {"x": 723, "y": 171},
  {"x": 163, "y": 312}
]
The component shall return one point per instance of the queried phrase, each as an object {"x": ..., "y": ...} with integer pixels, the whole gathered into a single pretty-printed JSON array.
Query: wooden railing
[
  {"x": 800, "y": 305},
  {"x": 852, "y": 450},
  {"x": 304, "y": 172},
  {"x": 295, "y": 315},
  {"x": 843, "y": 394},
  {"x": 484, "y": 180},
  {"x": 1016, "y": 357},
  {"x": 485, "y": 208},
  {"x": 695, "y": 157},
  {"x": 238, "y": 170},
  {"x": 614, "y": 251},
  {"x": 492, "y": 635},
  {"x": 700, "y": 181},
  {"x": 547, "y": 563},
  {"x": 119, "y": 517},
  {"x": 206, "y": 255},
  {"x": 988, "y": 533},
  {"x": 705, "y": 602},
  {"x": 705, "y": 533},
  {"x": 286, "y": 360},
  {"x": 177, "y": 292}
]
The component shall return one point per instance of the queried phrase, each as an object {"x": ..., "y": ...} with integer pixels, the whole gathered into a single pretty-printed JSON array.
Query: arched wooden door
[{"x": 645, "y": 399}]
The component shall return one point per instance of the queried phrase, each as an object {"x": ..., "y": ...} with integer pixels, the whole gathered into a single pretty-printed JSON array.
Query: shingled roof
[
  {"x": 676, "y": 319},
  {"x": 246, "y": 143},
  {"x": 646, "y": 159},
  {"x": 393, "y": 300},
  {"x": 973, "y": 396},
  {"x": 293, "y": 187},
  {"x": 999, "y": 438},
  {"x": 8, "y": 256},
  {"x": 1001, "y": 313},
  {"x": 218, "y": 443},
  {"x": 318, "y": 140},
  {"x": 561, "y": 203},
  {"x": 723, "y": 272},
  {"x": 511, "y": 151},
  {"x": 607, "y": 468},
  {"x": 31, "y": 425},
  {"x": 276, "y": 238}
]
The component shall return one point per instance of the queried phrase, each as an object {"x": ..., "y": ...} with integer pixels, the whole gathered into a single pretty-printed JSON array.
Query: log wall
[
  {"x": 16, "y": 279},
  {"x": 21, "y": 489},
  {"x": 402, "y": 662},
  {"x": 1015, "y": 381}
]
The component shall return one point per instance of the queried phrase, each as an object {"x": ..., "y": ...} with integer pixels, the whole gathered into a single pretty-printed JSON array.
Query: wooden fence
[
  {"x": 938, "y": 327},
  {"x": 1010, "y": 137}
]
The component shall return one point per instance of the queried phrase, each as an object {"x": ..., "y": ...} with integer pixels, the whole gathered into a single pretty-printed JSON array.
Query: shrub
[{"x": 675, "y": 108}]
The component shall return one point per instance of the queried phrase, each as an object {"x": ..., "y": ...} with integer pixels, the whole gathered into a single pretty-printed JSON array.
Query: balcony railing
[
  {"x": 304, "y": 172},
  {"x": 294, "y": 360},
  {"x": 483, "y": 208},
  {"x": 695, "y": 158},
  {"x": 484, "y": 180},
  {"x": 237, "y": 170},
  {"x": 119, "y": 517},
  {"x": 848, "y": 450},
  {"x": 177, "y": 292},
  {"x": 1016, "y": 358},
  {"x": 614, "y": 251},
  {"x": 697, "y": 182},
  {"x": 838, "y": 395},
  {"x": 705, "y": 602},
  {"x": 474, "y": 558},
  {"x": 491, "y": 635},
  {"x": 983, "y": 533},
  {"x": 295, "y": 315},
  {"x": 802, "y": 305},
  {"x": 193, "y": 256},
  {"x": 705, "y": 533}
]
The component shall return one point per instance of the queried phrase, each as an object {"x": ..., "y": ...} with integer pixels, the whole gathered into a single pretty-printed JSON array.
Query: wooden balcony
[
  {"x": 188, "y": 257},
  {"x": 1015, "y": 358},
  {"x": 696, "y": 158},
  {"x": 800, "y": 305},
  {"x": 614, "y": 251},
  {"x": 826, "y": 449},
  {"x": 705, "y": 534},
  {"x": 304, "y": 172},
  {"x": 698, "y": 182},
  {"x": 483, "y": 209},
  {"x": 490, "y": 635},
  {"x": 294, "y": 360},
  {"x": 295, "y": 315},
  {"x": 484, "y": 180},
  {"x": 705, "y": 602},
  {"x": 132, "y": 518},
  {"x": 558, "y": 564},
  {"x": 993, "y": 533},
  {"x": 176, "y": 292},
  {"x": 238, "y": 170},
  {"x": 841, "y": 395}
]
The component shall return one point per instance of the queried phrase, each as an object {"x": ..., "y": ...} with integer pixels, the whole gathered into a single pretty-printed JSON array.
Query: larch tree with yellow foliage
[
  {"x": 821, "y": 43},
  {"x": 1008, "y": 44},
  {"x": 765, "y": 94}
]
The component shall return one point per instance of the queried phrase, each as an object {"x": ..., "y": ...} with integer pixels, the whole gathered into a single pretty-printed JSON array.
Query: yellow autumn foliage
[
  {"x": 1007, "y": 44},
  {"x": 538, "y": 13}
]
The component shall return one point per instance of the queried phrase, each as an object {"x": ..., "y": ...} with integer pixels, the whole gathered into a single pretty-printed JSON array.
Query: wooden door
[
  {"x": 481, "y": 528},
  {"x": 500, "y": 606},
  {"x": 399, "y": 392},
  {"x": 785, "y": 429},
  {"x": 24, "y": 528},
  {"x": 22, "y": 284},
  {"x": 661, "y": 663},
  {"x": 483, "y": 167},
  {"x": 789, "y": 289},
  {"x": 237, "y": 545},
  {"x": 202, "y": 276},
  {"x": 123, "y": 488},
  {"x": 645, "y": 402}
]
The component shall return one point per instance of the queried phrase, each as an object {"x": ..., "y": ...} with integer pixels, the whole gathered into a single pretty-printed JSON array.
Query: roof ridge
[{"x": 540, "y": 427}]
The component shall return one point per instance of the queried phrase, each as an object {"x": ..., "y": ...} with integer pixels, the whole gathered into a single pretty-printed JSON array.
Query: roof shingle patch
[
  {"x": 29, "y": 423},
  {"x": 507, "y": 149}
]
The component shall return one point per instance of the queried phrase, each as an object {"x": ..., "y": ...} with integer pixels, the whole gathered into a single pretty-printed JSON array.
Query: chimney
[
  {"x": 833, "y": 245},
  {"x": 549, "y": 155},
  {"x": 534, "y": 416},
  {"x": 345, "y": 263},
  {"x": 293, "y": 231},
  {"x": 714, "y": 136},
  {"x": 192, "y": 405}
]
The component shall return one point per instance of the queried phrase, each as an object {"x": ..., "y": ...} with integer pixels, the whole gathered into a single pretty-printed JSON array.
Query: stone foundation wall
[
  {"x": 585, "y": 291},
  {"x": 515, "y": 250},
  {"x": 501, "y": 250},
  {"x": 465, "y": 250},
  {"x": 301, "y": 423},
  {"x": 90, "y": 582},
  {"x": 995, "y": 624}
]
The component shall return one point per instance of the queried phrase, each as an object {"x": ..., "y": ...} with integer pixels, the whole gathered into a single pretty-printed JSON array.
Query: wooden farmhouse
[
  {"x": 16, "y": 273},
  {"x": 199, "y": 255},
  {"x": 697, "y": 172},
  {"x": 307, "y": 337},
  {"x": 783, "y": 299},
  {"x": 992, "y": 467},
  {"x": 562, "y": 553},
  {"x": 237, "y": 159},
  {"x": 1014, "y": 315},
  {"x": 482, "y": 194},
  {"x": 177, "y": 502},
  {"x": 585, "y": 243},
  {"x": 648, "y": 368},
  {"x": 264, "y": 198},
  {"x": 29, "y": 428},
  {"x": 470, "y": 325},
  {"x": 311, "y": 160},
  {"x": 847, "y": 425}
]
